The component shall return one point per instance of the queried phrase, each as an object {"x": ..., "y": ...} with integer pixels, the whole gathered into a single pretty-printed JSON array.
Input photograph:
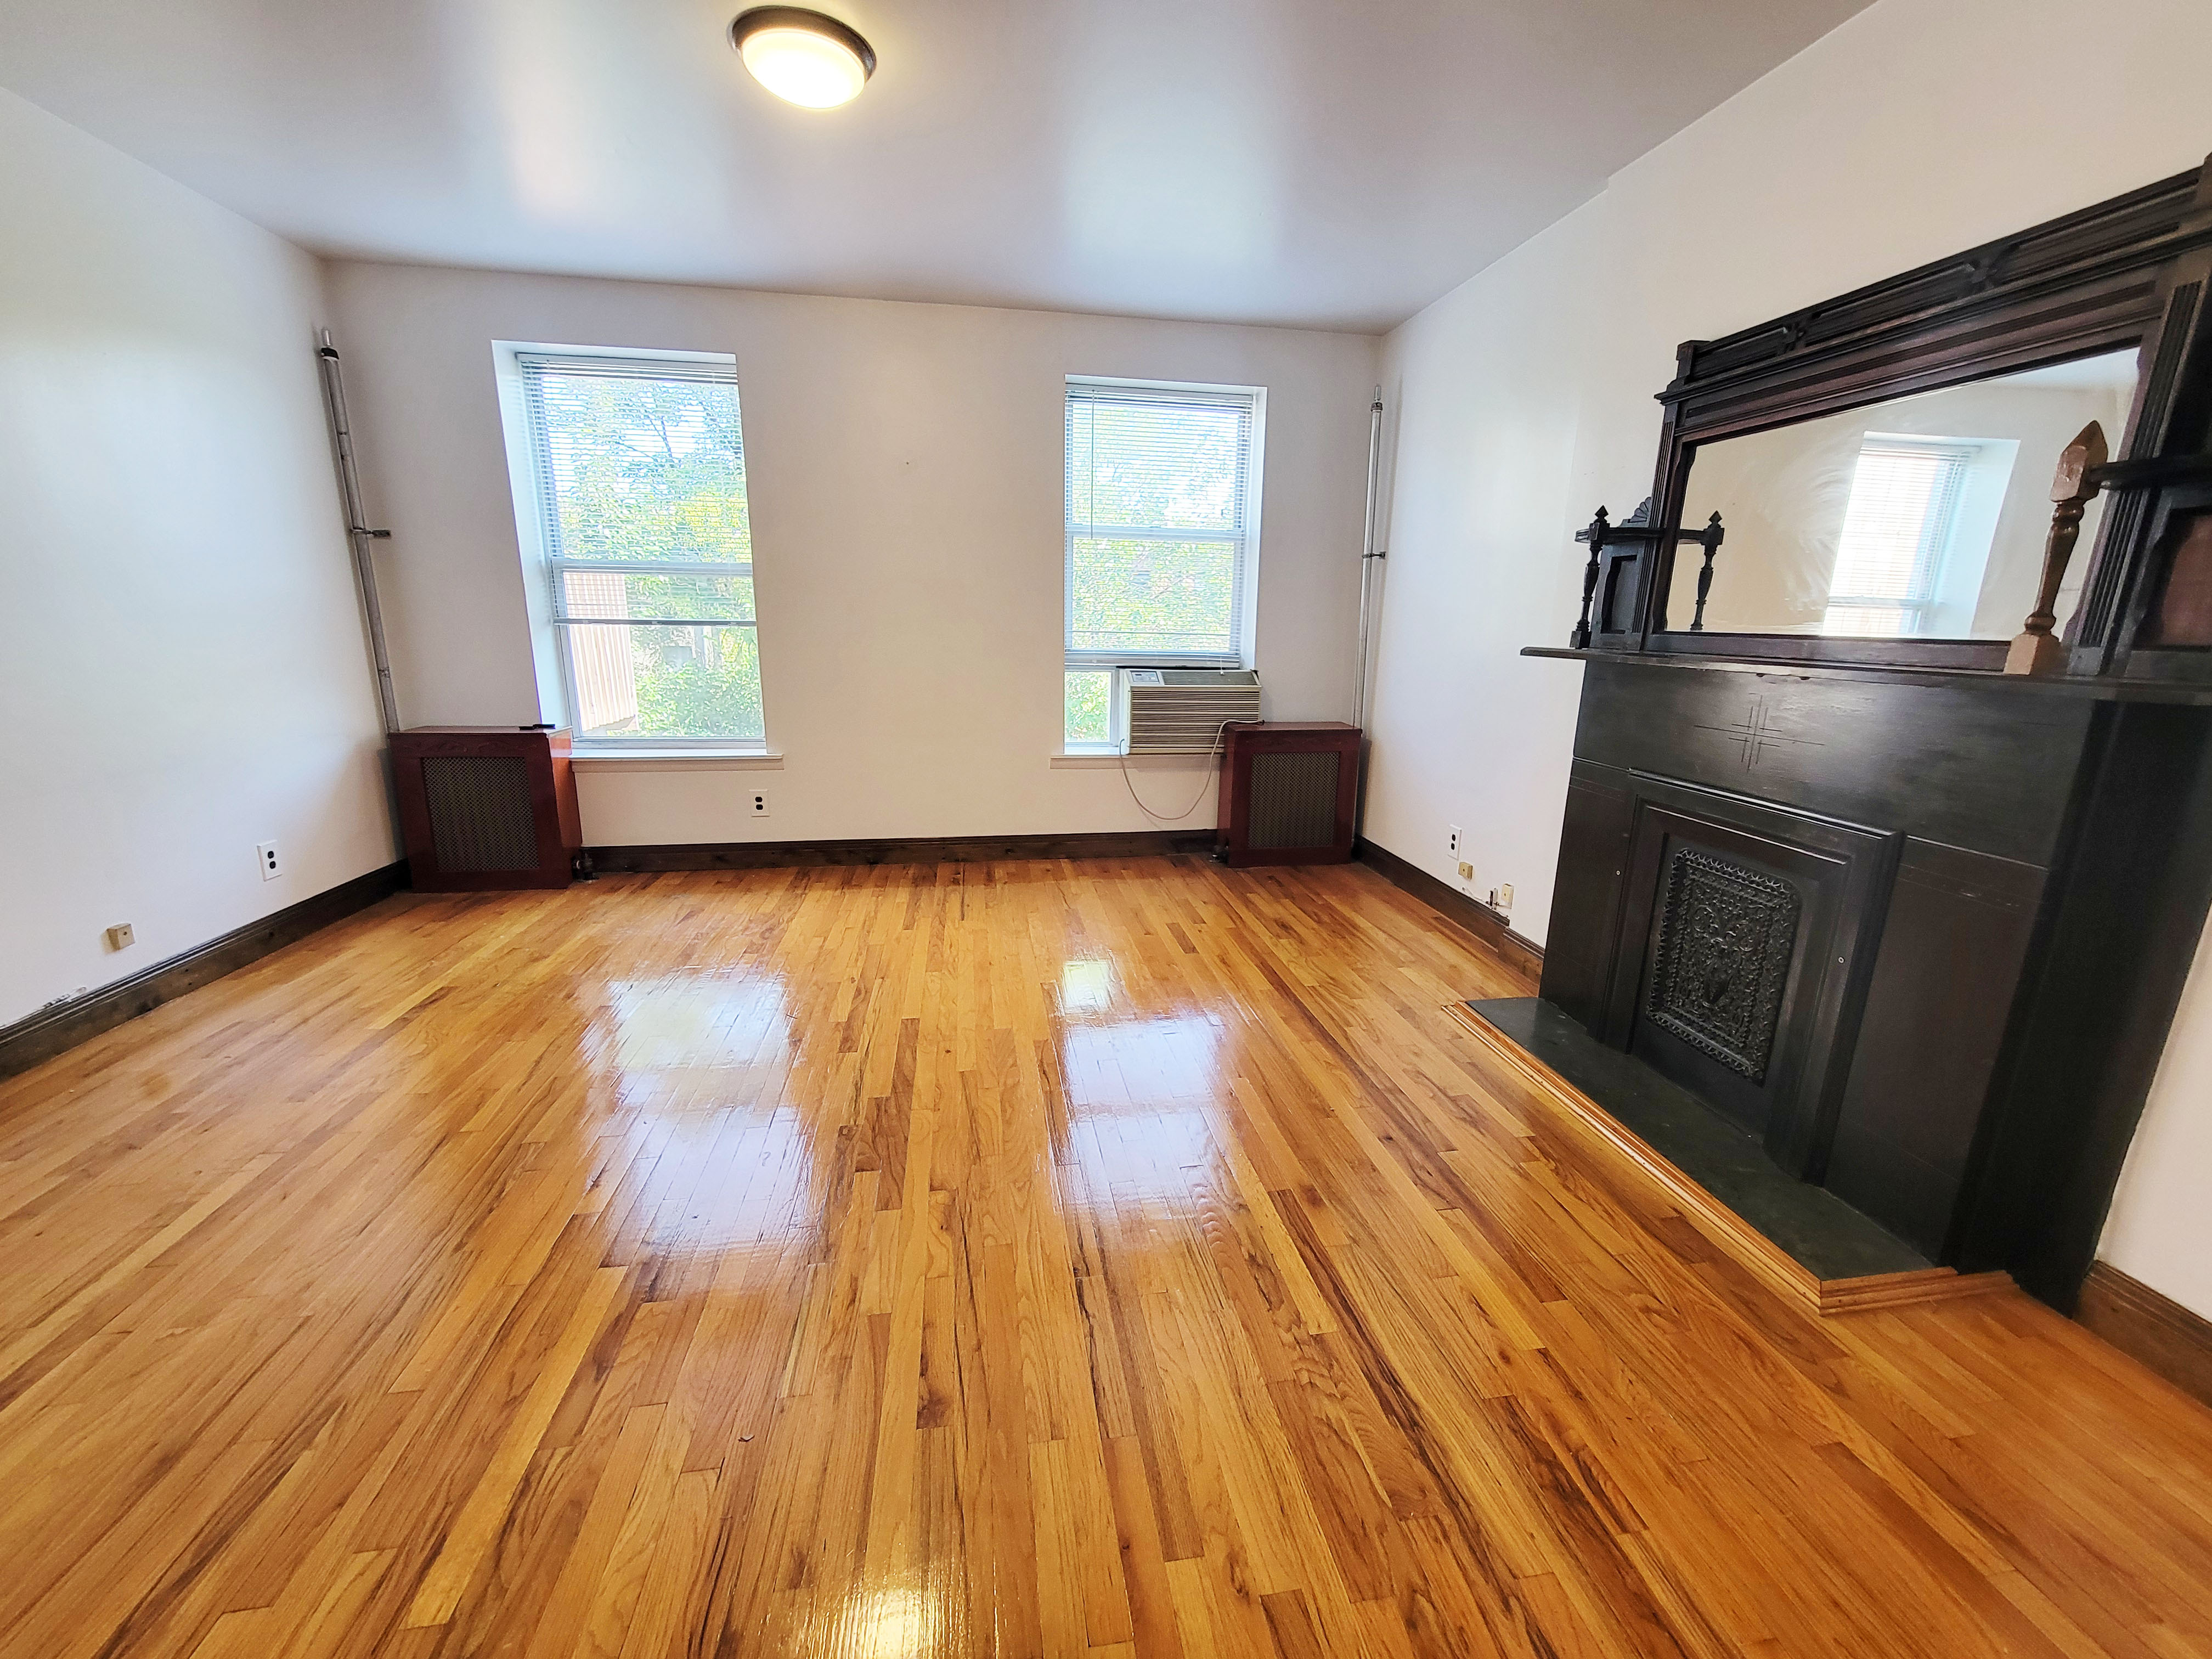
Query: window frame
[
  {"x": 1244, "y": 596},
  {"x": 555, "y": 565}
]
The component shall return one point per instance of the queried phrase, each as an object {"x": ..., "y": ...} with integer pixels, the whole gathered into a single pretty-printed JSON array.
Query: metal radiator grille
[
  {"x": 1293, "y": 800},
  {"x": 480, "y": 816}
]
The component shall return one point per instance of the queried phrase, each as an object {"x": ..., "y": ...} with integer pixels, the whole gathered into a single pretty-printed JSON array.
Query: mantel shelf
[{"x": 2097, "y": 690}]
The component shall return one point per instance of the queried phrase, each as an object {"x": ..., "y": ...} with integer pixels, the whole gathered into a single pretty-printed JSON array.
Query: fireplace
[
  {"x": 1914, "y": 933},
  {"x": 1746, "y": 926},
  {"x": 1888, "y": 835}
]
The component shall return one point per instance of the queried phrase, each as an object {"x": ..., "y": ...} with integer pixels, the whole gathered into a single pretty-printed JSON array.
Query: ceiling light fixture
[{"x": 802, "y": 56}]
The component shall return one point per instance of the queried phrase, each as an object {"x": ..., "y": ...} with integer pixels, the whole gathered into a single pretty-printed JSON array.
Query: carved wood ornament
[{"x": 1725, "y": 936}]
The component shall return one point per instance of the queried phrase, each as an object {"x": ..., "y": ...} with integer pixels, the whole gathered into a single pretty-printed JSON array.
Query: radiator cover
[
  {"x": 486, "y": 807},
  {"x": 1288, "y": 790}
]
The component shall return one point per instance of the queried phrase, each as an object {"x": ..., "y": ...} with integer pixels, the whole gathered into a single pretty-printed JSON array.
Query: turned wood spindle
[
  {"x": 1594, "y": 535},
  {"x": 1710, "y": 539},
  {"x": 2036, "y": 649}
]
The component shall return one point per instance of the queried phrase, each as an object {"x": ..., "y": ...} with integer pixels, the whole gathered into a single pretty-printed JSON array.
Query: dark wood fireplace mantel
[
  {"x": 1940, "y": 923},
  {"x": 2096, "y": 688},
  {"x": 1914, "y": 928}
]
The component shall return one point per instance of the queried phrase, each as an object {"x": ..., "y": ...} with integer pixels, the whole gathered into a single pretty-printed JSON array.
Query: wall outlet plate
[
  {"x": 759, "y": 803},
  {"x": 265, "y": 855},
  {"x": 1506, "y": 896},
  {"x": 120, "y": 938},
  {"x": 1466, "y": 871},
  {"x": 1452, "y": 841}
]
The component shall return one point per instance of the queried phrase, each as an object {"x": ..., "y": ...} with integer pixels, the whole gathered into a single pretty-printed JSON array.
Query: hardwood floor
[{"x": 1127, "y": 1258}]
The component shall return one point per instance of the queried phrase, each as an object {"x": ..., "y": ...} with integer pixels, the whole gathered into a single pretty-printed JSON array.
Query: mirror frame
[{"x": 2134, "y": 271}]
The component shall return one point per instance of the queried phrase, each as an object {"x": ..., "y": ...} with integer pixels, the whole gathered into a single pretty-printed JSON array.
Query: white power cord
[{"x": 1220, "y": 735}]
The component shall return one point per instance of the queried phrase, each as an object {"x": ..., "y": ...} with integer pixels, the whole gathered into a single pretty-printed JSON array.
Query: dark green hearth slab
[{"x": 1817, "y": 1230}]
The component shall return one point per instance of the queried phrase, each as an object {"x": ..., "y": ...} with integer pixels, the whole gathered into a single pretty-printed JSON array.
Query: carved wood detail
[{"x": 1726, "y": 934}]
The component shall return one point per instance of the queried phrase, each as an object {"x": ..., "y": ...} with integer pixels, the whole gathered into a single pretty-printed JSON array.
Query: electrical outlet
[
  {"x": 1466, "y": 871},
  {"x": 1451, "y": 840},
  {"x": 120, "y": 938},
  {"x": 759, "y": 803},
  {"x": 1506, "y": 896},
  {"x": 265, "y": 855}
]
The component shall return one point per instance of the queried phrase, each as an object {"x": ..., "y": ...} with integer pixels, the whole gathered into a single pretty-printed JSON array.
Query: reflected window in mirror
[
  {"x": 1922, "y": 517},
  {"x": 1918, "y": 527}
]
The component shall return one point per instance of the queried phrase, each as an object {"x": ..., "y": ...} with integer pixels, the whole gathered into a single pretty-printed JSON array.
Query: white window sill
[
  {"x": 1080, "y": 759},
  {"x": 678, "y": 760}
]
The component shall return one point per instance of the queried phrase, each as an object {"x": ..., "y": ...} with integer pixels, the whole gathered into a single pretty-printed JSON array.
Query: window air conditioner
[{"x": 1182, "y": 711}]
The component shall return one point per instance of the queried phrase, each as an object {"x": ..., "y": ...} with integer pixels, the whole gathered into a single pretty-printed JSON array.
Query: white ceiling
[{"x": 1329, "y": 163}]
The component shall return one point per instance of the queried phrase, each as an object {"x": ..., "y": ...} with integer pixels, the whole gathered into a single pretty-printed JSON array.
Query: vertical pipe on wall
[
  {"x": 358, "y": 536},
  {"x": 1368, "y": 557}
]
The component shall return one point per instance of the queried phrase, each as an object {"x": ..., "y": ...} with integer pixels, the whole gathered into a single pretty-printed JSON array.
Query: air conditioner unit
[{"x": 1182, "y": 711}]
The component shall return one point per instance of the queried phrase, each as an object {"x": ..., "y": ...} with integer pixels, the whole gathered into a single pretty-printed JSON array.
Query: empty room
[{"x": 1146, "y": 828}]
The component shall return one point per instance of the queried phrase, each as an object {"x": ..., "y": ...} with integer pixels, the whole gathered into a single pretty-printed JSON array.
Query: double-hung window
[
  {"x": 1897, "y": 525},
  {"x": 1161, "y": 536},
  {"x": 640, "y": 468}
]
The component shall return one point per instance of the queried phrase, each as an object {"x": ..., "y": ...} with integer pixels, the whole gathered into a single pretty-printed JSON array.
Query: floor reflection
[
  {"x": 701, "y": 1020},
  {"x": 700, "y": 1056},
  {"x": 884, "y": 1623},
  {"x": 1142, "y": 1097},
  {"x": 1086, "y": 987}
]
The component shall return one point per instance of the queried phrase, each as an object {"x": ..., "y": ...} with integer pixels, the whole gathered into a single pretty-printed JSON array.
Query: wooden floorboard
[{"x": 1123, "y": 1257}]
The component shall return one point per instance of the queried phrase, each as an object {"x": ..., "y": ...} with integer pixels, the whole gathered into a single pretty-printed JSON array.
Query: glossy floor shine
[{"x": 1035, "y": 1258}]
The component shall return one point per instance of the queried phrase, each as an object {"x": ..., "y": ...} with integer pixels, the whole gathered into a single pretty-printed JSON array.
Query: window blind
[
  {"x": 712, "y": 370},
  {"x": 627, "y": 448},
  {"x": 1902, "y": 502},
  {"x": 640, "y": 468},
  {"x": 1158, "y": 524}
]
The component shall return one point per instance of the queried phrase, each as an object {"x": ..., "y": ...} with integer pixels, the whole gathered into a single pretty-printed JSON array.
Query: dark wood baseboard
[
  {"x": 912, "y": 849},
  {"x": 1472, "y": 913},
  {"x": 61, "y": 1026},
  {"x": 2150, "y": 1327}
]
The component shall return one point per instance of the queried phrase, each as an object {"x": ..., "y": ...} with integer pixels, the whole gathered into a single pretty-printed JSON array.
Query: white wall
[
  {"x": 1484, "y": 390},
  {"x": 2160, "y": 1227},
  {"x": 181, "y": 645},
  {"x": 903, "y": 463},
  {"x": 1918, "y": 128}
]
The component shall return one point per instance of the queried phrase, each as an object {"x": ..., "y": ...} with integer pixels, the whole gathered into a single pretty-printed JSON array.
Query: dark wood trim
[
  {"x": 1472, "y": 913},
  {"x": 2105, "y": 689},
  {"x": 2153, "y": 1329},
  {"x": 62, "y": 1026},
  {"x": 910, "y": 849}
]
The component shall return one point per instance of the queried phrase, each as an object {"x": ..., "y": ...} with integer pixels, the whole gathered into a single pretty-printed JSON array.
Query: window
[
  {"x": 1162, "y": 527},
  {"x": 1904, "y": 503},
  {"x": 640, "y": 482}
]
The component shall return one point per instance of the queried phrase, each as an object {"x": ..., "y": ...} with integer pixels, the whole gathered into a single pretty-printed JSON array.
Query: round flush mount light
[{"x": 802, "y": 56}]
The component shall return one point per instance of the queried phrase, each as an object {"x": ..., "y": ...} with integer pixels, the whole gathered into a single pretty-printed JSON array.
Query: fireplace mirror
[
  {"x": 1920, "y": 517},
  {"x": 1879, "y": 880},
  {"x": 1869, "y": 482}
]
